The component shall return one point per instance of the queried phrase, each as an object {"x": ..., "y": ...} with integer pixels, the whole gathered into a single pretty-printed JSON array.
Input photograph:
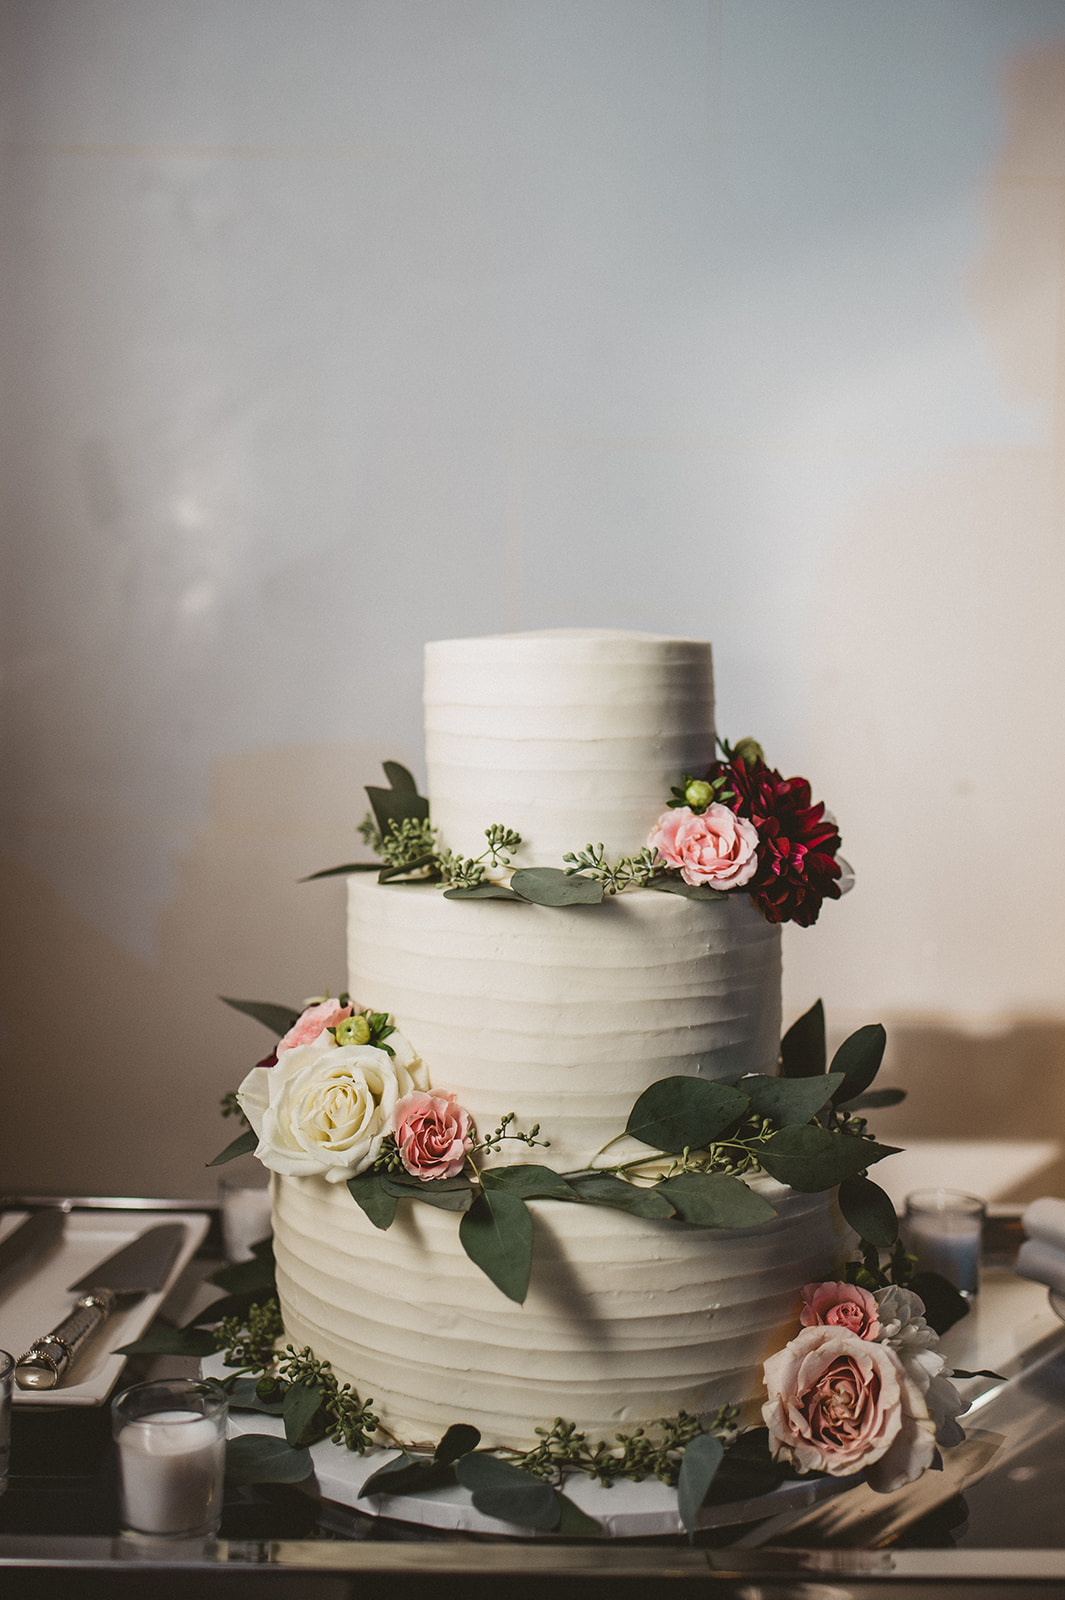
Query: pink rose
[
  {"x": 840, "y": 1404},
  {"x": 433, "y": 1134},
  {"x": 312, "y": 1022},
  {"x": 841, "y": 1305},
  {"x": 717, "y": 847}
]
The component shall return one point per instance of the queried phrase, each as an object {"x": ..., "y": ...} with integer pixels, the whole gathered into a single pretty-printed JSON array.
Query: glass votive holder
[
  {"x": 944, "y": 1229},
  {"x": 245, "y": 1211},
  {"x": 171, "y": 1439},
  {"x": 7, "y": 1368}
]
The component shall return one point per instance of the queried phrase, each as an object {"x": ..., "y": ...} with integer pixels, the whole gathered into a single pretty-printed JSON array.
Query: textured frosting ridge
[
  {"x": 626, "y": 1320},
  {"x": 562, "y": 736}
]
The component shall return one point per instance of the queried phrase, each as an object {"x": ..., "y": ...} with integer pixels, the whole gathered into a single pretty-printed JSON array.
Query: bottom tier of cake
[{"x": 626, "y": 1320}]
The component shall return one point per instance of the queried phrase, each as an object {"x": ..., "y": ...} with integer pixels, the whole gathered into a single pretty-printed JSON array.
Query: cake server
[
  {"x": 137, "y": 1269},
  {"x": 27, "y": 1245}
]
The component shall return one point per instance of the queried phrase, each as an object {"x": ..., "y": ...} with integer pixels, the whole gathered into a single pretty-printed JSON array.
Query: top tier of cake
[{"x": 570, "y": 736}]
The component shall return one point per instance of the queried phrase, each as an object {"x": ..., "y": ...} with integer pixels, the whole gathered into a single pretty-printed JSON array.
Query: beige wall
[{"x": 332, "y": 329}]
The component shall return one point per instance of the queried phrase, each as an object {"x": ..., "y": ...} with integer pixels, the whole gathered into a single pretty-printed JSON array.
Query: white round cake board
[{"x": 625, "y": 1510}]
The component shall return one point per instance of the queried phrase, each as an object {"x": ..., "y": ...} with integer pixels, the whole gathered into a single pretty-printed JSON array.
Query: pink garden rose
[
  {"x": 433, "y": 1134},
  {"x": 841, "y": 1404},
  {"x": 717, "y": 847},
  {"x": 312, "y": 1022},
  {"x": 840, "y": 1305}
]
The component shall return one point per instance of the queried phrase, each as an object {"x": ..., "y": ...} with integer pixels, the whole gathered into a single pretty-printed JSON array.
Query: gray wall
[{"x": 331, "y": 326}]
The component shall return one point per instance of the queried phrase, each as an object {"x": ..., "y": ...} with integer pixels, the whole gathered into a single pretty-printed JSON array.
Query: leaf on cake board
[
  {"x": 607, "y": 1189},
  {"x": 812, "y": 1159},
  {"x": 458, "y": 1441},
  {"x": 379, "y": 1203},
  {"x": 748, "y": 1470},
  {"x": 343, "y": 871},
  {"x": 243, "y": 1395},
  {"x": 690, "y": 891},
  {"x": 447, "y": 1194},
  {"x": 171, "y": 1342},
  {"x": 698, "y": 1469},
  {"x": 417, "y": 1473},
  {"x": 531, "y": 1182},
  {"x": 944, "y": 1305},
  {"x": 859, "y": 1058},
  {"x": 242, "y": 1145},
  {"x": 715, "y": 1200},
  {"x": 398, "y": 803},
  {"x": 790, "y": 1100},
  {"x": 505, "y": 1491},
  {"x": 803, "y": 1053},
  {"x": 484, "y": 891},
  {"x": 870, "y": 1212},
  {"x": 575, "y": 1522},
  {"x": 257, "y": 1273},
  {"x": 496, "y": 1234},
  {"x": 681, "y": 1112},
  {"x": 304, "y": 1416},
  {"x": 263, "y": 1458},
  {"x": 278, "y": 1019},
  {"x": 550, "y": 886}
]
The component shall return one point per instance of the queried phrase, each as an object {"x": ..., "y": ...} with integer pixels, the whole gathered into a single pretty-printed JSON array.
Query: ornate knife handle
[{"x": 49, "y": 1359}]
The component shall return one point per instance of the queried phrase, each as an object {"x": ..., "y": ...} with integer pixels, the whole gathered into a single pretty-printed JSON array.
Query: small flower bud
[
  {"x": 353, "y": 1030},
  {"x": 697, "y": 792},
  {"x": 748, "y": 750}
]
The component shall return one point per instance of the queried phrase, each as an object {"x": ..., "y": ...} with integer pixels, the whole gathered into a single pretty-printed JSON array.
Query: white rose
[
  {"x": 904, "y": 1328},
  {"x": 324, "y": 1109}
]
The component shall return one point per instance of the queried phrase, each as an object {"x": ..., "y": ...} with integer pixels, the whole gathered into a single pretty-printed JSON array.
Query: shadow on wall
[
  {"x": 128, "y": 1059},
  {"x": 1006, "y": 1084}
]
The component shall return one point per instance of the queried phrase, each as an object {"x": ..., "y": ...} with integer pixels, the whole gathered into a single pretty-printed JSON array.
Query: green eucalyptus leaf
[
  {"x": 386, "y": 874},
  {"x": 607, "y": 1189},
  {"x": 278, "y": 1019},
  {"x": 790, "y": 1100},
  {"x": 379, "y": 1203},
  {"x": 242, "y": 1145},
  {"x": 505, "y": 1491},
  {"x": 447, "y": 1194},
  {"x": 406, "y": 1475},
  {"x": 305, "y": 1421},
  {"x": 398, "y": 803},
  {"x": 748, "y": 1470},
  {"x": 698, "y": 1469},
  {"x": 690, "y": 891},
  {"x": 230, "y": 1305},
  {"x": 171, "y": 1342},
  {"x": 338, "y": 872},
  {"x": 531, "y": 1182},
  {"x": 715, "y": 1200},
  {"x": 263, "y": 1458},
  {"x": 257, "y": 1273},
  {"x": 243, "y": 1395},
  {"x": 458, "y": 1441},
  {"x": 944, "y": 1305},
  {"x": 496, "y": 1234},
  {"x": 811, "y": 1159},
  {"x": 575, "y": 1522},
  {"x": 678, "y": 1113},
  {"x": 550, "y": 886},
  {"x": 485, "y": 891},
  {"x": 802, "y": 1050},
  {"x": 859, "y": 1058},
  {"x": 870, "y": 1212},
  {"x": 873, "y": 1100}
]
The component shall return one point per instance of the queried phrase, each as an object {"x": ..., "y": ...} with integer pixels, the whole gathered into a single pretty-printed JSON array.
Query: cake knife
[{"x": 136, "y": 1270}]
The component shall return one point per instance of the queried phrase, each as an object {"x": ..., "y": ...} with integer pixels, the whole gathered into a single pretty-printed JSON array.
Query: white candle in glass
[
  {"x": 944, "y": 1230},
  {"x": 172, "y": 1465},
  {"x": 245, "y": 1218}
]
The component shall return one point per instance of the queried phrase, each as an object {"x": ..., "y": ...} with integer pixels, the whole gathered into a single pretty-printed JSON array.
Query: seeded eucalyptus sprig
[
  {"x": 347, "y": 1419},
  {"x": 466, "y": 872},
  {"x": 490, "y": 1145},
  {"x": 639, "y": 870},
  {"x": 249, "y": 1338}
]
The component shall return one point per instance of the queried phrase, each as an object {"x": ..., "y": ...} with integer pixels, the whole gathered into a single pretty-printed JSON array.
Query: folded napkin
[
  {"x": 1042, "y": 1263},
  {"x": 1045, "y": 1220}
]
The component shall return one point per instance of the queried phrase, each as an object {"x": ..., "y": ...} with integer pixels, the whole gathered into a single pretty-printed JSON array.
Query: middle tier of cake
[{"x": 564, "y": 1016}]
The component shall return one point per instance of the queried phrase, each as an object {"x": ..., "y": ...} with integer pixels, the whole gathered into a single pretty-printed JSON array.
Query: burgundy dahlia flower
[{"x": 797, "y": 844}]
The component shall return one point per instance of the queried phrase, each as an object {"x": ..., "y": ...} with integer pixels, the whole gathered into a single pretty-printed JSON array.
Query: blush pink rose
[
  {"x": 841, "y": 1305},
  {"x": 717, "y": 847},
  {"x": 312, "y": 1022},
  {"x": 433, "y": 1134},
  {"x": 840, "y": 1404}
]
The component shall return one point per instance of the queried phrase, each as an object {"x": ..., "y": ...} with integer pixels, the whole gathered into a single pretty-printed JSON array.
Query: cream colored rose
[{"x": 324, "y": 1109}]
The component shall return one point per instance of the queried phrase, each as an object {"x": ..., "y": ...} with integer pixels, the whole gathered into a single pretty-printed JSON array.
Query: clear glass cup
[
  {"x": 7, "y": 1368},
  {"x": 171, "y": 1439},
  {"x": 944, "y": 1229}
]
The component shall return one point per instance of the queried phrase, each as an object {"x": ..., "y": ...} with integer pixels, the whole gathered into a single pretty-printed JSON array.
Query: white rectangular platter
[{"x": 42, "y": 1298}]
